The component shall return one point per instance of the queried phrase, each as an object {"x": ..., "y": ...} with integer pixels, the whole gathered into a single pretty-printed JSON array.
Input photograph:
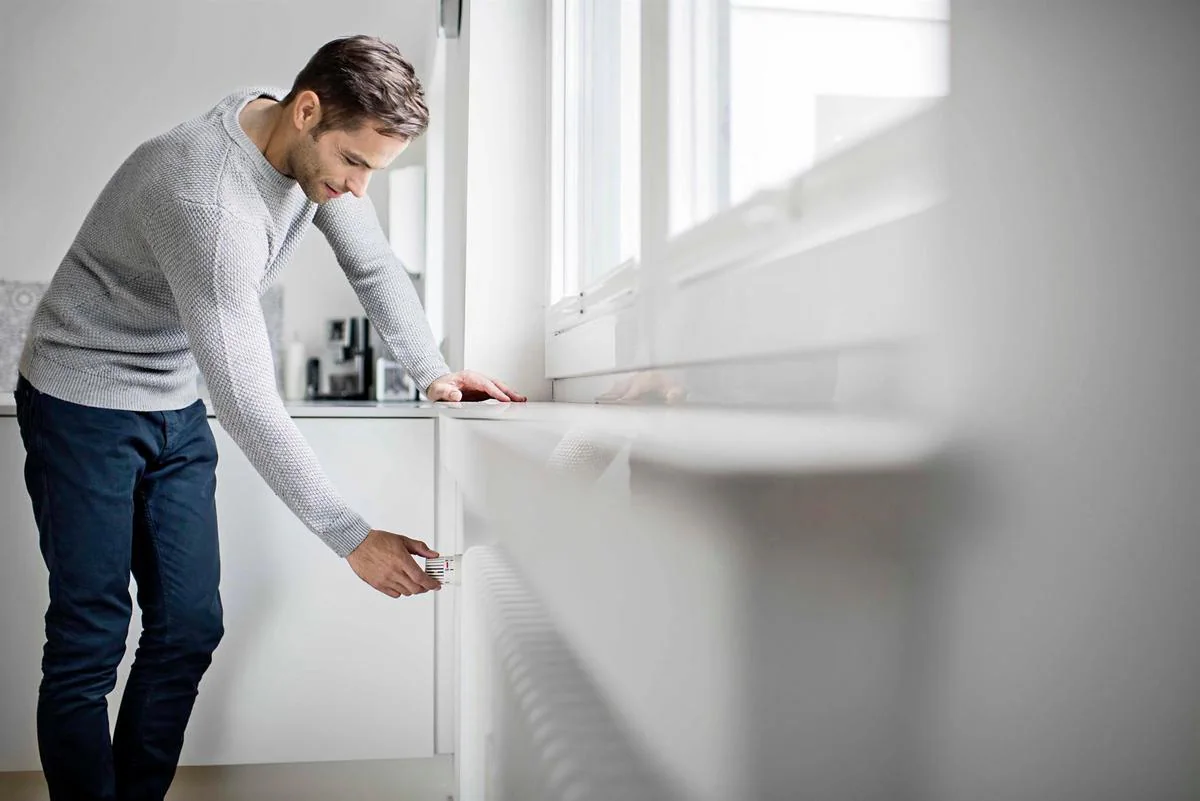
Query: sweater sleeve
[
  {"x": 382, "y": 285},
  {"x": 213, "y": 262}
]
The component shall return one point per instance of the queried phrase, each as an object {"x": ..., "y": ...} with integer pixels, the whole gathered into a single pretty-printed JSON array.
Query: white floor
[{"x": 377, "y": 780}]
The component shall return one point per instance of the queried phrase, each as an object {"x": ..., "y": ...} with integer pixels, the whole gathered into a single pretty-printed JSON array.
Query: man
[{"x": 165, "y": 276}]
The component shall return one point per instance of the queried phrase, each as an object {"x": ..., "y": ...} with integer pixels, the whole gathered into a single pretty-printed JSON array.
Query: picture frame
[
  {"x": 337, "y": 332},
  {"x": 393, "y": 383}
]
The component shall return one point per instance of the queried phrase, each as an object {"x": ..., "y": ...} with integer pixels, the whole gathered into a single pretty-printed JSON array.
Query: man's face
[{"x": 341, "y": 161}]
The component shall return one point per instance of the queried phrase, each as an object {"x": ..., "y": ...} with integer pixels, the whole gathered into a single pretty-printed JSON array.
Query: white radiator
[{"x": 533, "y": 725}]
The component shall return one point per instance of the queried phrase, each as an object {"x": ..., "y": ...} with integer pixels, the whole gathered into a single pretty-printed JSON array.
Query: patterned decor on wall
[{"x": 19, "y": 299}]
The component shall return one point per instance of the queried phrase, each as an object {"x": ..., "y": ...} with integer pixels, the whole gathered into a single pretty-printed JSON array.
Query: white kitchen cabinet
[
  {"x": 315, "y": 664},
  {"x": 23, "y": 599}
]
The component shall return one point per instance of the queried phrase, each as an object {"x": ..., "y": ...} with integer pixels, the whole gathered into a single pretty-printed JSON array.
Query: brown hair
[{"x": 363, "y": 79}]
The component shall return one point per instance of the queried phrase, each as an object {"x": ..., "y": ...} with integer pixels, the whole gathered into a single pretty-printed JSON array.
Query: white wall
[
  {"x": 434, "y": 279},
  {"x": 507, "y": 193},
  {"x": 85, "y": 83},
  {"x": 487, "y": 191},
  {"x": 1066, "y": 663},
  {"x": 446, "y": 176}
]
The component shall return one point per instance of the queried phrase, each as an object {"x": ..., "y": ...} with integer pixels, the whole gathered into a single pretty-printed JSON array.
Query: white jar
[{"x": 294, "y": 366}]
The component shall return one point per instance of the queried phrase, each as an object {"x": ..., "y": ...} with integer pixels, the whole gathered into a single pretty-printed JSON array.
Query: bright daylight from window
[{"x": 773, "y": 86}]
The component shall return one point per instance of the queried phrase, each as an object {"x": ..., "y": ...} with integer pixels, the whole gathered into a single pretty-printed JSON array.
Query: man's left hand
[{"x": 468, "y": 385}]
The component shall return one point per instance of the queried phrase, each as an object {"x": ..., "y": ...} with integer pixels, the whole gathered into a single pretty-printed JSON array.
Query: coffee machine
[{"x": 349, "y": 343}]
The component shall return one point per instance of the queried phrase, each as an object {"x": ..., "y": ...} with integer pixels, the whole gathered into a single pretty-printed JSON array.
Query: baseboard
[{"x": 429, "y": 779}]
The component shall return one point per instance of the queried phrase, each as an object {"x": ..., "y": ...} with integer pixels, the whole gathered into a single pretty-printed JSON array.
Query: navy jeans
[{"x": 114, "y": 492}]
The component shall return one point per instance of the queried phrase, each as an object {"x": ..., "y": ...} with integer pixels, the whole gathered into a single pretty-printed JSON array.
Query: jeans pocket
[
  {"x": 26, "y": 397},
  {"x": 22, "y": 398}
]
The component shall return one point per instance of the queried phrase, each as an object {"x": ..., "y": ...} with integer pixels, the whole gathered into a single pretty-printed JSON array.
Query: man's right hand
[{"x": 384, "y": 560}]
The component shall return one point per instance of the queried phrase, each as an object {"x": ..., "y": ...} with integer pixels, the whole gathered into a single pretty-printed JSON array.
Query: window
[
  {"x": 704, "y": 152},
  {"x": 763, "y": 89},
  {"x": 595, "y": 140}
]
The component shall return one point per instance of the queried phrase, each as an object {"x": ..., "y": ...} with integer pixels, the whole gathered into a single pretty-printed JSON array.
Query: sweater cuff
[
  {"x": 428, "y": 371},
  {"x": 345, "y": 538}
]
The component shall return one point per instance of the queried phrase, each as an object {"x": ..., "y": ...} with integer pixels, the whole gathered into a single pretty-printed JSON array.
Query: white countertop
[
  {"x": 723, "y": 440},
  {"x": 720, "y": 440},
  {"x": 484, "y": 410}
]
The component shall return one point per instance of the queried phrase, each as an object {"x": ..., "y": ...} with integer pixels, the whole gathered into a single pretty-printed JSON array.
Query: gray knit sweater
[{"x": 166, "y": 274}]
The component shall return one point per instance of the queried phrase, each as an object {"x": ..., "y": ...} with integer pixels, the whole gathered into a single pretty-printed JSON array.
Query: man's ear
[{"x": 306, "y": 110}]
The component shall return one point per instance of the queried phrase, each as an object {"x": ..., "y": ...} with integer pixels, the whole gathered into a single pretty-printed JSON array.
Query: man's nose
[{"x": 357, "y": 183}]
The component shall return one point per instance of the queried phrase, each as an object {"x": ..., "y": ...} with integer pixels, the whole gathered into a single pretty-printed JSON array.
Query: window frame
[{"x": 633, "y": 318}]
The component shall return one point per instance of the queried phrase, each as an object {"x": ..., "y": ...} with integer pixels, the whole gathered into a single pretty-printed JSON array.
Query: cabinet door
[
  {"x": 315, "y": 664},
  {"x": 23, "y": 599}
]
